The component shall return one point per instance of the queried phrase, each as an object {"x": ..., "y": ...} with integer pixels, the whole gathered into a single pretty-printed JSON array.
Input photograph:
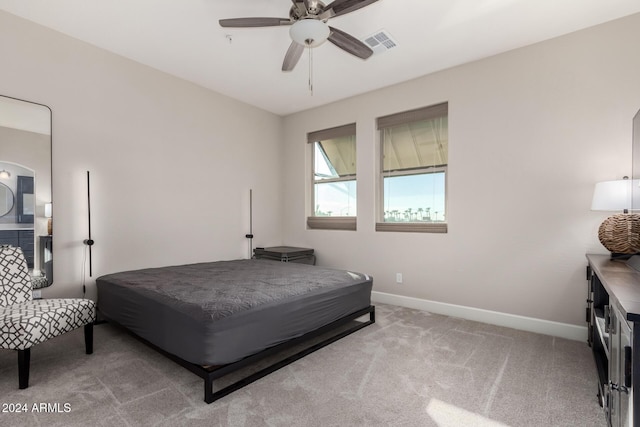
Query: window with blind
[
  {"x": 334, "y": 178},
  {"x": 413, "y": 170}
]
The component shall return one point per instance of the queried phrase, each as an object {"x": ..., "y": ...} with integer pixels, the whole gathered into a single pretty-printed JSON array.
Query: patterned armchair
[{"x": 25, "y": 322}]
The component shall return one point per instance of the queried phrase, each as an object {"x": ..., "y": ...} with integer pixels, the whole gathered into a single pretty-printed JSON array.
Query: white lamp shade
[
  {"x": 47, "y": 210},
  {"x": 616, "y": 195},
  {"x": 309, "y": 32}
]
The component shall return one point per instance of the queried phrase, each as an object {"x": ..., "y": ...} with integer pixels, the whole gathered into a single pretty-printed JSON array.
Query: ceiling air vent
[{"x": 380, "y": 41}]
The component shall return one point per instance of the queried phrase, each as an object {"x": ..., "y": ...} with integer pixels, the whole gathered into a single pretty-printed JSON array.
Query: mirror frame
[
  {"x": 42, "y": 247},
  {"x": 13, "y": 199}
]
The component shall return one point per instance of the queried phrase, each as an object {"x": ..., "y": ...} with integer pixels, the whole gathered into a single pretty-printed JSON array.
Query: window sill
[
  {"x": 413, "y": 227},
  {"x": 332, "y": 222}
]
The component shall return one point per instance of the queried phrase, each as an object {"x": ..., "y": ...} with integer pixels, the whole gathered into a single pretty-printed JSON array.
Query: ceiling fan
[{"x": 308, "y": 20}]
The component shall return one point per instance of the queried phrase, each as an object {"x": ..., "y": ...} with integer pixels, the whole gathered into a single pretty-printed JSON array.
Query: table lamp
[
  {"x": 619, "y": 233},
  {"x": 48, "y": 214}
]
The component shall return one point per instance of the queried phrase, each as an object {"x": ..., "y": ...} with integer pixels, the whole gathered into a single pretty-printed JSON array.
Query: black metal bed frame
[{"x": 209, "y": 374}]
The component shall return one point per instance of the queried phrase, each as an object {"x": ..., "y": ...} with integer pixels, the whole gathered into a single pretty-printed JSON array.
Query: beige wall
[
  {"x": 531, "y": 132},
  {"x": 171, "y": 163}
]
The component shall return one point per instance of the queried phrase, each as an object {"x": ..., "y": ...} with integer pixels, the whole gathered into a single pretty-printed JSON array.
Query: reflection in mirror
[
  {"x": 25, "y": 180},
  {"x": 28, "y": 206},
  {"x": 6, "y": 199}
]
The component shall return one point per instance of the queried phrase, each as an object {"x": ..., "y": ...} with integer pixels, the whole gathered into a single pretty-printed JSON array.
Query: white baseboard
[{"x": 546, "y": 327}]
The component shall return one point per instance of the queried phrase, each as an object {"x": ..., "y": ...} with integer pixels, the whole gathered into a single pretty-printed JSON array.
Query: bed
[{"x": 217, "y": 317}]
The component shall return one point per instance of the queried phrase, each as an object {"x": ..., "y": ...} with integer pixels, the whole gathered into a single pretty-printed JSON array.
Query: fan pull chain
[{"x": 310, "y": 70}]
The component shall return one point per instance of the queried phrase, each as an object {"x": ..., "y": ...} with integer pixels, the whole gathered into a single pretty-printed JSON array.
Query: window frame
[
  {"x": 330, "y": 222},
  {"x": 424, "y": 113}
]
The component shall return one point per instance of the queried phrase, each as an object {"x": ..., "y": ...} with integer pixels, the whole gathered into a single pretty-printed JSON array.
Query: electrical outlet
[
  {"x": 37, "y": 294},
  {"x": 398, "y": 277}
]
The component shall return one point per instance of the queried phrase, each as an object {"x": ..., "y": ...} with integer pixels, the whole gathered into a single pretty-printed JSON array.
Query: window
[
  {"x": 413, "y": 172},
  {"x": 334, "y": 178}
]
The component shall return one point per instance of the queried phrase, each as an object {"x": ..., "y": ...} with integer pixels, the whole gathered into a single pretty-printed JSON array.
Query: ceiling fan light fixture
[{"x": 309, "y": 32}]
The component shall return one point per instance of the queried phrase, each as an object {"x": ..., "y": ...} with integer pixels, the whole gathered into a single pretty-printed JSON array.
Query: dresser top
[{"x": 621, "y": 282}]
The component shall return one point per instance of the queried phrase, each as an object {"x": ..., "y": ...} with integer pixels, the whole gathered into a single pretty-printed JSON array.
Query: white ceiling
[{"x": 183, "y": 38}]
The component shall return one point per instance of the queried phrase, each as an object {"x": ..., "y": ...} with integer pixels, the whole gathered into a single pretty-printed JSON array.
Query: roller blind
[
  {"x": 335, "y": 132},
  {"x": 424, "y": 113},
  {"x": 415, "y": 139}
]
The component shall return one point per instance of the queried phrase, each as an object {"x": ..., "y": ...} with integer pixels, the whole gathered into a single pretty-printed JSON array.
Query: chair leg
[
  {"x": 24, "y": 357},
  {"x": 88, "y": 337}
]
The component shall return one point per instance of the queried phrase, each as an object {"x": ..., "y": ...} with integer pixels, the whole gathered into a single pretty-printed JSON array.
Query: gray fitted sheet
[{"x": 220, "y": 312}]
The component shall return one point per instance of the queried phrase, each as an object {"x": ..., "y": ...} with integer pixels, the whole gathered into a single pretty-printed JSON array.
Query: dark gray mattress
[{"x": 220, "y": 312}]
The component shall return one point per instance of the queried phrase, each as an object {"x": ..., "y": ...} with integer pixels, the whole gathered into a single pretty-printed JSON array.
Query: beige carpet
[{"x": 411, "y": 368}]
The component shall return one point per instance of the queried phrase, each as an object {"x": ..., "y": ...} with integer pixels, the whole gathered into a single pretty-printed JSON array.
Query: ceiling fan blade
[
  {"x": 292, "y": 57},
  {"x": 254, "y": 22},
  {"x": 300, "y": 7},
  {"x": 349, "y": 43},
  {"x": 342, "y": 7}
]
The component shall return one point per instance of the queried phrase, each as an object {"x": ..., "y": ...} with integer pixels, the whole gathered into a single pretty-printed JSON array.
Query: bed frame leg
[{"x": 208, "y": 389}]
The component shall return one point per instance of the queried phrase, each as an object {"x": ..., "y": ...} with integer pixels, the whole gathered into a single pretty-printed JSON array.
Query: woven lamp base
[{"x": 620, "y": 233}]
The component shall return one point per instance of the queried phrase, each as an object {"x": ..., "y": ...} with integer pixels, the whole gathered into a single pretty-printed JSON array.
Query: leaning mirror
[{"x": 25, "y": 184}]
